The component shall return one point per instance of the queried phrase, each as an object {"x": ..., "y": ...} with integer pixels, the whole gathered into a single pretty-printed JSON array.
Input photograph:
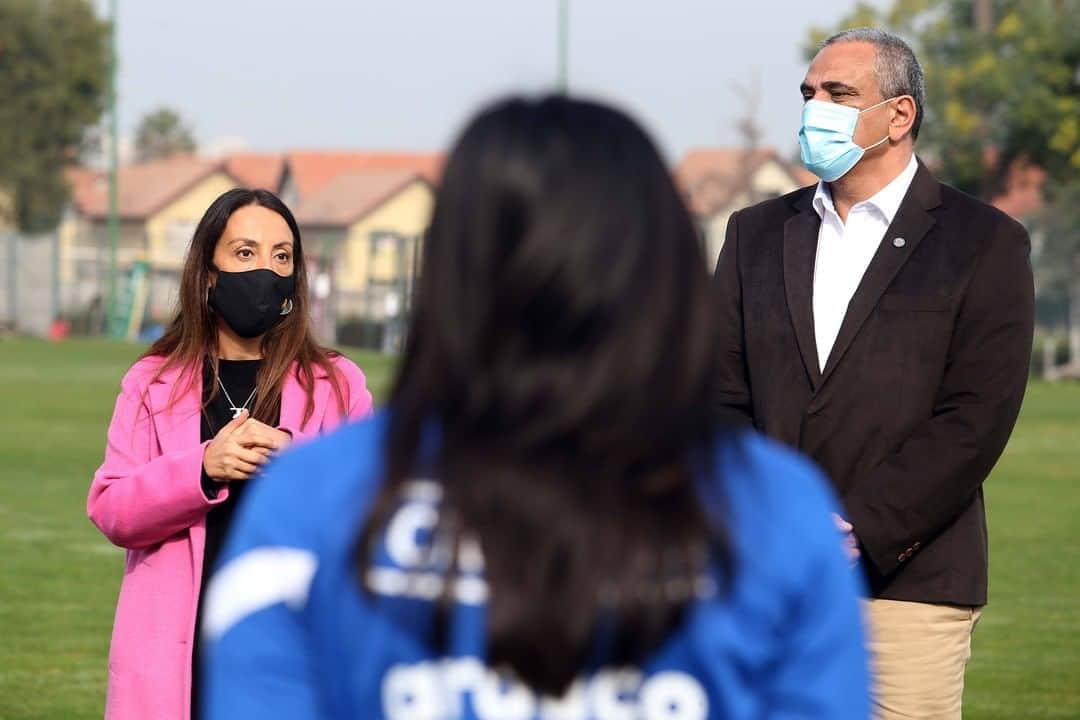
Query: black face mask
[{"x": 253, "y": 301}]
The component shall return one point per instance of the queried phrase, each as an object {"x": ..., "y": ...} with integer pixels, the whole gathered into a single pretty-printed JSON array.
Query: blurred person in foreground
[
  {"x": 236, "y": 377},
  {"x": 881, "y": 322},
  {"x": 547, "y": 522}
]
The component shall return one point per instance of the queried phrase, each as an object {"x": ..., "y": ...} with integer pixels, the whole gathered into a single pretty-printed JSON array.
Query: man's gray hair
[{"x": 897, "y": 69}]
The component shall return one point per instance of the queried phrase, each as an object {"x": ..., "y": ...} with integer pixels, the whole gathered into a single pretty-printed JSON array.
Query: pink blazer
[{"x": 147, "y": 497}]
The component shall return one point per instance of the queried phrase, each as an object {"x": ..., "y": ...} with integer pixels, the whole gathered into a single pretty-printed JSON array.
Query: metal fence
[{"x": 44, "y": 278}]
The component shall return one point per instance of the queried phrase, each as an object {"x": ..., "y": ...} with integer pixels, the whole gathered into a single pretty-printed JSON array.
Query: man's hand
[{"x": 851, "y": 543}]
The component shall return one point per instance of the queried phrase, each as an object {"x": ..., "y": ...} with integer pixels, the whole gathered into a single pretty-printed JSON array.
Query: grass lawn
[{"x": 59, "y": 577}]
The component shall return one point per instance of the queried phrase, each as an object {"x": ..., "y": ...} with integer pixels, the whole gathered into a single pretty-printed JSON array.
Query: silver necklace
[{"x": 232, "y": 406}]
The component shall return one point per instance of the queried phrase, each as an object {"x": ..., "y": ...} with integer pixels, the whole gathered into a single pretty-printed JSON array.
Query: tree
[
  {"x": 750, "y": 131},
  {"x": 161, "y": 134},
  {"x": 1002, "y": 82},
  {"x": 54, "y": 59}
]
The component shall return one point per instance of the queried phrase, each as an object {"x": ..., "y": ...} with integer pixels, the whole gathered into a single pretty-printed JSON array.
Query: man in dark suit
[{"x": 881, "y": 322}]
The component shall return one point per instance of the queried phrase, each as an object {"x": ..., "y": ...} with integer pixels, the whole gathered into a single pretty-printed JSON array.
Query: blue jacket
[{"x": 290, "y": 633}]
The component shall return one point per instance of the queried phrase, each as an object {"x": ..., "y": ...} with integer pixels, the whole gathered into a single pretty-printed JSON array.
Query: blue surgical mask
[{"x": 826, "y": 138}]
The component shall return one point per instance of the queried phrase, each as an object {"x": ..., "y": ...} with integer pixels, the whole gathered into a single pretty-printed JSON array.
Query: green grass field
[{"x": 59, "y": 577}]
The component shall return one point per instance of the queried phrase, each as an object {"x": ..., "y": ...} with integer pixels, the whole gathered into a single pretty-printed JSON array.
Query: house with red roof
[
  {"x": 365, "y": 226},
  {"x": 159, "y": 205},
  {"x": 361, "y": 214},
  {"x": 716, "y": 182}
]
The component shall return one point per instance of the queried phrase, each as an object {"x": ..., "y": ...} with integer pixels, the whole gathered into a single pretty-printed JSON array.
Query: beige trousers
[{"x": 918, "y": 653}]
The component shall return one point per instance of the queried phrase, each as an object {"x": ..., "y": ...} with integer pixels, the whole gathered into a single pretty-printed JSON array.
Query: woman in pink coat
[{"x": 237, "y": 377}]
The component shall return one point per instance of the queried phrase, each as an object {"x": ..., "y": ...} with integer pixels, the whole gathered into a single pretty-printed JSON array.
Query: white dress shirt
[{"x": 844, "y": 252}]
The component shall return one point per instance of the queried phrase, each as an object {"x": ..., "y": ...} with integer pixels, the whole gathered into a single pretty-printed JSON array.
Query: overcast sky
[{"x": 405, "y": 74}]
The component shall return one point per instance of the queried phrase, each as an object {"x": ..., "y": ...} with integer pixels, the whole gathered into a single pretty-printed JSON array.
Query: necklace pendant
[{"x": 236, "y": 412}]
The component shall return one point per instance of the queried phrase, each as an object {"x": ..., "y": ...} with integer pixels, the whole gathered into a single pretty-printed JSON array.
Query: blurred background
[{"x": 121, "y": 120}]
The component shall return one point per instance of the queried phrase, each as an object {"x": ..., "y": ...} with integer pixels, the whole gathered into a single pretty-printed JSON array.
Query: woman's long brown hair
[{"x": 192, "y": 337}]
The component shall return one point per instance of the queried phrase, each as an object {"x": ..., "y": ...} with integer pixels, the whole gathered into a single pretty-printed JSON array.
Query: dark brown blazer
[{"x": 922, "y": 387}]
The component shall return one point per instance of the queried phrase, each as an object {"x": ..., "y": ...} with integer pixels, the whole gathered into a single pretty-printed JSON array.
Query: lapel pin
[{"x": 899, "y": 242}]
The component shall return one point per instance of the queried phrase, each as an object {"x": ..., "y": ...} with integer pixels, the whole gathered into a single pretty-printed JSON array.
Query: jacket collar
[
  {"x": 912, "y": 222},
  {"x": 175, "y": 399}
]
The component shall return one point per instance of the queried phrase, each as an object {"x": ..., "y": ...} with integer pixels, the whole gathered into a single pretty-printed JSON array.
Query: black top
[{"x": 238, "y": 377}]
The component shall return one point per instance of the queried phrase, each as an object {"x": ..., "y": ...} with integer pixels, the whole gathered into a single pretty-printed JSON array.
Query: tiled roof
[
  {"x": 144, "y": 188},
  {"x": 352, "y": 194},
  {"x": 257, "y": 170},
  {"x": 710, "y": 177},
  {"x": 312, "y": 170}
]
